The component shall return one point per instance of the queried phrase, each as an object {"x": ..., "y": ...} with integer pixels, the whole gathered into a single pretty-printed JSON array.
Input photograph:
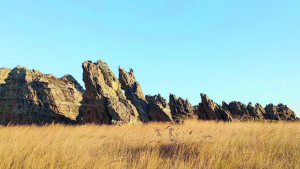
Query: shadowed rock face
[
  {"x": 279, "y": 112},
  {"x": 28, "y": 96},
  {"x": 104, "y": 102},
  {"x": 209, "y": 110},
  {"x": 196, "y": 109},
  {"x": 238, "y": 110},
  {"x": 134, "y": 93},
  {"x": 159, "y": 108},
  {"x": 180, "y": 108},
  {"x": 257, "y": 112}
]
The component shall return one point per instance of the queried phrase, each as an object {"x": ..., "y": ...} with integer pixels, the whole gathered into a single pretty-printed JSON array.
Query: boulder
[
  {"x": 279, "y": 112},
  {"x": 180, "y": 108},
  {"x": 209, "y": 110},
  {"x": 134, "y": 93},
  {"x": 159, "y": 108},
  {"x": 103, "y": 99},
  {"x": 31, "y": 97}
]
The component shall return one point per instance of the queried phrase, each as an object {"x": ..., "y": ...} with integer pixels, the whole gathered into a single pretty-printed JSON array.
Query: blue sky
[{"x": 231, "y": 50}]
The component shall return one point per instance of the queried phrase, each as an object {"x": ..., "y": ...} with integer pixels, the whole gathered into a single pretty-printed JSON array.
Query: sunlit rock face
[
  {"x": 134, "y": 93},
  {"x": 103, "y": 99},
  {"x": 4, "y": 72},
  {"x": 31, "y": 97}
]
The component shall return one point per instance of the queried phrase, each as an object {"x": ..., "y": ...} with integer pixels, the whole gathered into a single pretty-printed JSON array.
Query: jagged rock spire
[
  {"x": 180, "y": 107},
  {"x": 134, "y": 93},
  {"x": 104, "y": 101}
]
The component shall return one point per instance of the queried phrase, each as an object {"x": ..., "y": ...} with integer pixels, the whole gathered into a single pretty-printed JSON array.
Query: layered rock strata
[
  {"x": 104, "y": 101},
  {"x": 159, "y": 109},
  {"x": 238, "y": 110},
  {"x": 257, "y": 112},
  {"x": 209, "y": 110},
  {"x": 134, "y": 93},
  {"x": 29, "y": 96},
  {"x": 180, "y": 108},
  {"x": 279, "y": 112}
]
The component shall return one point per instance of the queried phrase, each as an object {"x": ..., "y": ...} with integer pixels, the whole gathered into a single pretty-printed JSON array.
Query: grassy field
[{"x": 195, "y": 144}]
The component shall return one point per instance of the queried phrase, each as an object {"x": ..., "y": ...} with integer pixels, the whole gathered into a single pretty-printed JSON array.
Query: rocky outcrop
[
  {"x": 159, "y": 108},
  {"x": 279, "y": 112},
  {"x": 134, "y": 93},
  {"x": 238, "y": 110},
  {"x": 103, "y": 99},
  {"x": 180, "y": 108},
  {"x": 209, "y": 110},
  {"x": 257, "y": 112},
  {"x": 29, "y": 96}
]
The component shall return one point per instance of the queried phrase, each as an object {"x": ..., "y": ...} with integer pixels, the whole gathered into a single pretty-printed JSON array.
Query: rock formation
[
  {"x": 104, "y": 102},
  {"x": 238, "y": 110},
  {"x": 159, "y": 108},
  {"x": 209, "y": 110},
  {"x": 31, "y": 97},
  {"x": 180, "y": 108},
  {"x": 257, "y": 112},
  {"x": 279, "y": 112},
  {"x": 134, "y": 93},
  {"x": 28, "y": 96}
]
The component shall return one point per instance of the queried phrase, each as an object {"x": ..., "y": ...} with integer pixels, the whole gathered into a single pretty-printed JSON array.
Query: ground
[{"x": 195, "y": 144}]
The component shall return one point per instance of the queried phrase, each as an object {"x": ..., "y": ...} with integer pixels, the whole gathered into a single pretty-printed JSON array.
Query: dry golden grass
[{"x": 195, "y": 144}]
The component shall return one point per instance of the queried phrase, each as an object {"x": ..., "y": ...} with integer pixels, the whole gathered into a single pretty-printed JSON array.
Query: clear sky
[{"x": 229, "y": 49}]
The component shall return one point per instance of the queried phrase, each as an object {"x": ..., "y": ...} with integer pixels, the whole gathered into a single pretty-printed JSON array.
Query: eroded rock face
[
  {"x": 134, "y": 93},
  {"x": 159, "y": 108},
  {"x": 257, "y": 112},
  {"x": 209, "y": 110},
  {"x": 29, "y": 96},
  {"x": 238, "y": 110},
  {"x": 180, "y": 108},
  {"x": 104, "y": 102},
  {"x": 279, "y": 112}
]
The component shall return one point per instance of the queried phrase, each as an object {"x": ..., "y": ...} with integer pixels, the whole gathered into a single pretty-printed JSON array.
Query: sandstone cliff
[
  {"x": 29, "y": 96},
  {"x": 103, "y": 100}
]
